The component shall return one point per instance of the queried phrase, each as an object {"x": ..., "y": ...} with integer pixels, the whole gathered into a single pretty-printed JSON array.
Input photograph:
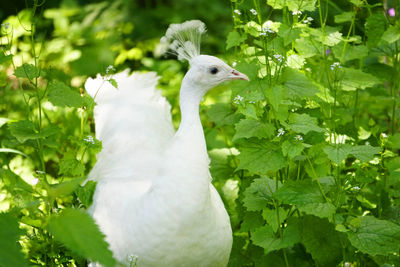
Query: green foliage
[
  {"x": 305, "y": 155},
  {"x": 78, "y": 232}
]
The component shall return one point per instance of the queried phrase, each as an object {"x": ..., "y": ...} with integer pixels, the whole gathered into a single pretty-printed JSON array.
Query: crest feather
[{"x": 184, "y": 39}]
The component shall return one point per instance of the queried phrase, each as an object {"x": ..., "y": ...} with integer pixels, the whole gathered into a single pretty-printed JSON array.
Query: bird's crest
[{"x": 184, "y": 39}]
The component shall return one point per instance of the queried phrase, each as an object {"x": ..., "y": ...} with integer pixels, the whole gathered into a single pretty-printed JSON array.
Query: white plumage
[{"x": 154, "y": 199}]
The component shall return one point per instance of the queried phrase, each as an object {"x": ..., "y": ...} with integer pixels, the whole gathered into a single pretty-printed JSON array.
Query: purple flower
[
  {"x": 391, "y": 12},
  {"x": 327, "y": 52}
]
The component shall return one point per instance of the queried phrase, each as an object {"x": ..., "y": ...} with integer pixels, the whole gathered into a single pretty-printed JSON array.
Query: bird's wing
[{"x": 133, "y": 122}]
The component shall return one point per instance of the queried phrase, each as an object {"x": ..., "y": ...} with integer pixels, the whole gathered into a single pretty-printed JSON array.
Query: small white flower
[
  {"x": 367, "y": 143},
  {"x": 237, "y": 11},
  {"x": 252, "y": 102},
  {"x": 298, "y": 138},
  {"x": 237, "y": 99},
  {"x": 110, "y": 68},
  {"x": 263, "y": 34},
  {"x": 281, "y": 132},
  {"x": 335, "y": 65},
  {"x": 305, "y": 21},
  {"x": 267, "y": 29},
  {"x": 279, "y": 58},
  {"x": 35, "y": 181},
  {"x": 356, "y": 188},
  {"x": 253, "y": 11},
  {"x": 310, "y": 19},
  {"x": 89, "y": 139},
  {"x": 234, "y": 64},
  {"x": 296, "y": 13},
  {"x": 40, "y": 172},
  {"x": 384, "y": 135}
]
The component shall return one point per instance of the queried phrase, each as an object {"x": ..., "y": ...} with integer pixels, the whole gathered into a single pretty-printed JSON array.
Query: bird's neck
[{"x": 190, "y": 135}]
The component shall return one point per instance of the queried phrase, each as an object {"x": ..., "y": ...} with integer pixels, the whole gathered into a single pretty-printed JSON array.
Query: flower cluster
[
  {"x": 335, "y": 65},
  {"x": 237, "y": 99},
  {"x": 296, "y": 13},
  {"x": 308, "y": 20},
  {"x": 237, "y": 11},
  {"x": 281, "y": 132},
  {"x": 280, "y": 58},
  {"x": 298, "y": 138},
  {"x": 265, "y": 30},
  {"x": 89, "y": 139},
  {"x": 110, "y": 68},
  {"x": 253, "y": 11}
]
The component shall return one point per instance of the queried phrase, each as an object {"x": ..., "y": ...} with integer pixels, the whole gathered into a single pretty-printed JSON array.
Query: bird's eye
[{"x": 213, "y": 70}]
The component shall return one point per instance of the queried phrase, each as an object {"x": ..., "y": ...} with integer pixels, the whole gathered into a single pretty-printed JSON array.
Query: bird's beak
[{"x": 236, "y": 75}]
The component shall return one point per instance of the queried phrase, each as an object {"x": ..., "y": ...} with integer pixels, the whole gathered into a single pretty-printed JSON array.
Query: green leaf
[
  {"x": 260, "y": 157},
  {"x": 63, "y": 96},
  {"x": 70, "y": 166},
  {"x": 65, "y": 188},
  {"x": 10, "y": 250},
  {"x": 374, "y": 236},
  {"x": 265, "y": 237},
  {"x": 85, "y": 193},
  {"x": 351, "y": 52},
  {"x": 322, "y": 210},
  {"x": 289, "y": 34},
  {"x": 78, "y": 232},
  {"x": 337, "y": 153},
  {"x": 292, "y": 149},
  {"x": 27, "y": 71},
  {"x": 113, "y": 83},
  {"x": 392, "y": 34},
  {"x": 275, "y": 95},
  {"x": 221, "y": 114},
  {"x": 4, "y": 58},
  {"x": 25, "y": 130},
  {"x": 271, "y": 216},
  {"x": 374, "y": 28},
  {"x": 344, "y": 17},
  {"x": 303, "y": 123},
  {"x": 257, "y": 195},
  {"x": 251, "y": 220},
  {"x": 321, "y": 240},
  {"x": 252, "y": 128},
  {"x": 299, "y": 85},
  {"x": 234, "y": 39},
  {"x": 356, "y": 79},
  {"x": 364, "y": 152},
  {"x": 302, "y": 5}
]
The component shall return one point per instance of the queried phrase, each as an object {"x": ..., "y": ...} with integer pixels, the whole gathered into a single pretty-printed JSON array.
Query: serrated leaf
[
  {"x": 10, "y": 250},
  {"x": 70, "y": 166},
  {"x": 85, "y": 193},
  {"x": 289, "y": 34},
  {"x": 27, "y": 71},
  {"x": 298, "y": 84},
  {"x": 374, "y": 28},
  {"x": 275, "y": 95},
  {"x": 356, "y": 79},
  {"x": 265, "y": 237},
  {"x": 302, "y": 5},
  {"x": 344, "y": 17},
  {"x": 303, "y": 123},
  {"x": 64, "y": 188},
  {"x": 322, "y": 210},
  {"x": 252, "y": 128},
  {"x": 221, "y": 114},
  {"x": 63, "y": 96},
  {"x": 25, "y": 130},
  {"x": 292, "y": 149},
  {"x": 271, "y": 216},
  {"x": 234, "y": 39},
  {"x": 321, "y": 240},
  {"x": 78, "y": 232},
  {"x": 251, "y": 220},
  {"x": 260, "y": 157},
  {"x": 374, "y": 236},
  {"x": 338, "y": 152},
  {"x": 257, "y": 195},
  {"x": 392, "y": 34},
  {"x": 364, "y": 152}
]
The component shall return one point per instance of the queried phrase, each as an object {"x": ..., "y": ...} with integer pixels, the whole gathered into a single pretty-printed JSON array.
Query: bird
[{"x": 154, "y": 199}]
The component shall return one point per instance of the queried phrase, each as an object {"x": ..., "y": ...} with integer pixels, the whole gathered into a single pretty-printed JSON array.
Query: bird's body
[{"x": 154, "y": 199}]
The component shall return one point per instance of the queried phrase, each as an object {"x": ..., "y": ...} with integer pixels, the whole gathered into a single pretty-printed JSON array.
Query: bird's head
[
  {"x": 208, "y": 72},
  {"x": 205, "y": 71}
]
